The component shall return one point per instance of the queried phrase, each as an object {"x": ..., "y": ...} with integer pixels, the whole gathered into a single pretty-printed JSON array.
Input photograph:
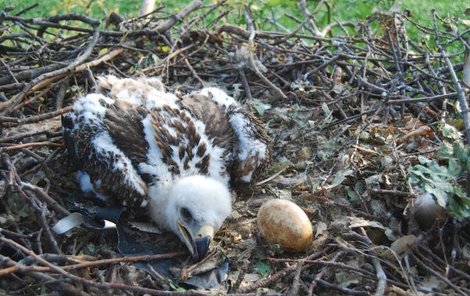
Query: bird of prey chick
[{"x": 175, "y": 157}]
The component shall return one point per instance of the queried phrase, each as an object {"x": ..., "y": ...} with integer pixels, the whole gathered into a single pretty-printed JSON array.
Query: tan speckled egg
[{"x": 285, "y": 223}]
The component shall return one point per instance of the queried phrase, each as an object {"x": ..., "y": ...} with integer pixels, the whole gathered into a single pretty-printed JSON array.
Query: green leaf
[
  {"x": 459, "y": 206},
  {"x": 453, "y": 167},
  {"x": 446, "y": 150},
  {"x": 262, "y": 268},
  {"x": 450, "y": 132},
  {"x": 176, "y": 287},
  {"x": 442, "y": 179},
  {"x": 441, "y": 196},
  {"x": 328, "y": 113},
  {"x": 423, "y": 159},
  {"x": 260, "y": 107},
  {"x": 353, "y": 196},
  {"x": 274, "y": 3}
]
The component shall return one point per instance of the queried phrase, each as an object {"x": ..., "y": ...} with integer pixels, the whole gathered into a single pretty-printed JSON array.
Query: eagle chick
[{"x": 177, "y": 157}]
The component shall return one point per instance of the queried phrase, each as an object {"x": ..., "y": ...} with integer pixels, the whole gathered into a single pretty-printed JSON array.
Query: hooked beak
[{"x": 196, "y": 239}]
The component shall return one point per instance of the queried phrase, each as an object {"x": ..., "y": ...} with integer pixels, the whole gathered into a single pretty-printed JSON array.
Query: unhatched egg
[
  {"x": 428, "y": 213},
  {"x": 285, "y": 223}
]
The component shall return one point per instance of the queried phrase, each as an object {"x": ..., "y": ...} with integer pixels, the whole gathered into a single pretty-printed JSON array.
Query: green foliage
[
  {"x": 97, "y": 9},
  {"x": 262, "y": 268},
  {"x": 268, "y": 14},
  {"x": 276, "y": 15},
  {"x": 441, "y": 177},
  {"x": 260, "y": 107}
]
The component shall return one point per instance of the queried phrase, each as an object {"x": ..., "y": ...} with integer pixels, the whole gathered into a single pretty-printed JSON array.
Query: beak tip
[{"x": 202, "y": 246}]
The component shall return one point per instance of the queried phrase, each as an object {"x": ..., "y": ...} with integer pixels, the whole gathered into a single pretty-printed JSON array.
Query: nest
[{"x": 350, "y": 111}]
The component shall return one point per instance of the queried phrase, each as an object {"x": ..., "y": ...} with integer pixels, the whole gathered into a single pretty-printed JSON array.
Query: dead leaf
[
  {"x": 400, "y": 246},
  {"x": 356, "y": 222}
]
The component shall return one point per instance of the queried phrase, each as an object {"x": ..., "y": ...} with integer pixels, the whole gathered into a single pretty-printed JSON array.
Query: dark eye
[{"x": 186, "y": 214}]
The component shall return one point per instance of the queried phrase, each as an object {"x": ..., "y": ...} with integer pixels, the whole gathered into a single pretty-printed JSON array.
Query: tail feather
[{"x": 69, "y": 140}]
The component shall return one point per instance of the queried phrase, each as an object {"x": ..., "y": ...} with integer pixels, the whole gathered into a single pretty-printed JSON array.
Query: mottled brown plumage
[{"x": 143, "y": 145}]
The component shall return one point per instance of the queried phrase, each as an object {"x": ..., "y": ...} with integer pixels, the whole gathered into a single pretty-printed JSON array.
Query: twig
[
  {"x": 101, "y": 262},
  {"x": 102, "y": 286},
  {"x": 252, "y": 63},
  {"x": 294, "y": 290},
  {"x": 312, "y": 26},
  {"x": 460, "y": 92},
  {"x": 163, "y": 27},
  {"x": 8, "y": 105},
  {"x": 27, "y": 9},
  {"x": 245, "y": 84},
  {"x": 194, "y": 73},
  {"x": 319, "y": 276},
  {"x": 32, "y": 119},
  {"x": 390, "y": 192},
  {"x": 424, "y": 99},
  {"x": 29, "y": 145},
  {"x": 272, "y": 177},
  {"x": 59, "y": 285},
  {"x": 440, "y": 276},
  {"x": 44, "y": 197},
  {"x": 21, "y": 136},
  {"x": 272, "y": 278},
  {"x": 381, "y": 277},
  {"x": 6, "y": 162},
  {"x": 326, "y": 63},
  {"x": 345, "y": 291},
  {"x": 9, "y": 71}
]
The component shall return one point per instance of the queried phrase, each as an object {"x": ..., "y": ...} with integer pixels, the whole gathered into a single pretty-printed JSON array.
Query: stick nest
[{"x": 350, "y": 110}]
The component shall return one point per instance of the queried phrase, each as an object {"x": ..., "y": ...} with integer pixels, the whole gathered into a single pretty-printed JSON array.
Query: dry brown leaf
[{"x": 400, "y": 246}]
